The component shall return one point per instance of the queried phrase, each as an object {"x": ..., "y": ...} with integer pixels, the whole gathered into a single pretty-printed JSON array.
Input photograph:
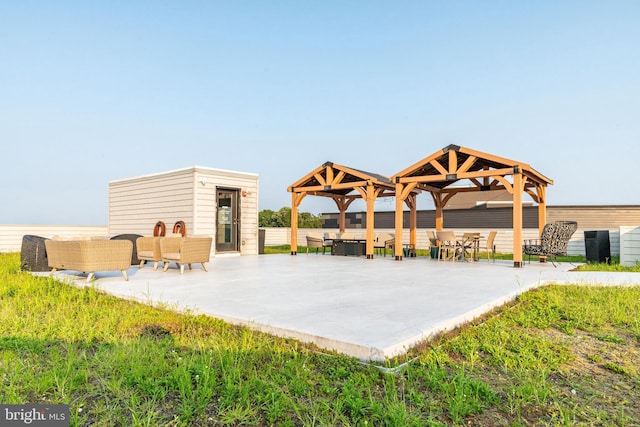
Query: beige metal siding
[
  {"x": 595, "y": 217},
  {"x": 587, "y": 217},
  {"x": 136, "y": 205}
]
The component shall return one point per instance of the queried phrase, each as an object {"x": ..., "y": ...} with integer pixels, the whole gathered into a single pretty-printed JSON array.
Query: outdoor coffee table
[{"x": 349, "y": 247}]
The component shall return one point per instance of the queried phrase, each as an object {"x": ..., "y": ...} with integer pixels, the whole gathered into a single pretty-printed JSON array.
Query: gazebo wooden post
[
  {"x": 517, "y": 216},
  {"x": 542, "y": 212},
  {"x": 295, "y": 202},
  {"x": 437, "y": 201},
  {"x": 397, "y": 247},
  {"x": 371, "y": 198},
  {"x": 413, "y": 220}
]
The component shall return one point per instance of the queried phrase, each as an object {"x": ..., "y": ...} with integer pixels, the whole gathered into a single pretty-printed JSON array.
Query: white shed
[{"x": 219, "y": 203}]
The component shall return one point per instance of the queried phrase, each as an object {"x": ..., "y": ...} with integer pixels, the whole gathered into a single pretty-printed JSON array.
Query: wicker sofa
[{"x": 89, "y": 255}]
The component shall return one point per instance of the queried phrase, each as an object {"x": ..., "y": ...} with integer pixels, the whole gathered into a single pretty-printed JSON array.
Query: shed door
[{"x": 228, "y": 220}]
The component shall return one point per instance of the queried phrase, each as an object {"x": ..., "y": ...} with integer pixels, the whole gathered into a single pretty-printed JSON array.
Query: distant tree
[
  {"x": 265, "y": 218},
  {"x": 309, "y": 220},
  {"x": 282, "y": 218}
]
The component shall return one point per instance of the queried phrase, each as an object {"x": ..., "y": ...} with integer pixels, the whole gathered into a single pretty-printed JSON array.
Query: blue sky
[{"x": 92, "y": 92}]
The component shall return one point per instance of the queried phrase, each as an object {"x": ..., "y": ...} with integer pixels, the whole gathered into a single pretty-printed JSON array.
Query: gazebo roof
[
  {"x": 442, "y": 171},
  {"x": 331, "y": 179}
]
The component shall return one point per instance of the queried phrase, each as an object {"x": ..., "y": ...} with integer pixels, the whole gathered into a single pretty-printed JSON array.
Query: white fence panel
[
  {"x": 11, "y": 234},
  {"x": 629, "y": 245}
]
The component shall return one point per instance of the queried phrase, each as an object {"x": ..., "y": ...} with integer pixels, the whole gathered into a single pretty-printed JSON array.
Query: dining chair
[
  {"x": 315, "y": 240},
  {"x": 382, "y": 242},
  {"x": 434, "y": 250},
  {"x": 448, "y": 245},
  {"x": 491, "y": 247}
]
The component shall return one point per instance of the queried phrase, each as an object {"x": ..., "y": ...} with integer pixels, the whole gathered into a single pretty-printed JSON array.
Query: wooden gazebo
[
  {"x": 456, "y": 169},
  {"x": 343, "y": 185}
]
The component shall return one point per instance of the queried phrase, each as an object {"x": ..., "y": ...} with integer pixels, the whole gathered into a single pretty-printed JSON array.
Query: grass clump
[{"x": 560, "y": 355}]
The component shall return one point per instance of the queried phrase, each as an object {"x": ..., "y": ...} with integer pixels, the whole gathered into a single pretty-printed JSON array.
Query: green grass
[{"x": 560, "y": 355}]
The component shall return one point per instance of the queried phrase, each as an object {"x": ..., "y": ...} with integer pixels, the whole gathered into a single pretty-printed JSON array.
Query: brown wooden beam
[
  {"x": 517, "y": 219},
  {"x": 397, "y": 247}
]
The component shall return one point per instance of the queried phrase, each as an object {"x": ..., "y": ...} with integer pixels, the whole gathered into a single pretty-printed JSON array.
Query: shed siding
[{"x": 135, "y": 205}]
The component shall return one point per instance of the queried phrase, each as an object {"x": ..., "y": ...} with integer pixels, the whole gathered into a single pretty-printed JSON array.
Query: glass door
[{"x": 228, "y": 221}]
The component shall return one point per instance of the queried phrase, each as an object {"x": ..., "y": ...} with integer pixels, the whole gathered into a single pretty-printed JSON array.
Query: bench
[
  {"x": 553, "y": 241},
  {"x": 89, "y": 255}
]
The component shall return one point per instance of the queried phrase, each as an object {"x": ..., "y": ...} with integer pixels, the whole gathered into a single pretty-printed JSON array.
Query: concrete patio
[{"x": 369, "y": 309}]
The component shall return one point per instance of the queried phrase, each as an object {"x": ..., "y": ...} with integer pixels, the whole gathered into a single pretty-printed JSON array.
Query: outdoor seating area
[
  {"x": 445, "y": 245},
  {"x": 90, "y": 254},
  {"x": 444, "y": 174},
  {"x": 175, "y": 248}
]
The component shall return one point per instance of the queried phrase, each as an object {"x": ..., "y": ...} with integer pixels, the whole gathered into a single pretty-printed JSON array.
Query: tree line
[{"x": 282, "y": 218}]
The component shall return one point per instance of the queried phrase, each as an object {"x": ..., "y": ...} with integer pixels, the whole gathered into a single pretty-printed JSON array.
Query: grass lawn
[{"x": 559, "y": 355}]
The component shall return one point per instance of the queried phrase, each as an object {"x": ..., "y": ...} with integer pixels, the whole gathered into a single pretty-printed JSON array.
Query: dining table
[{"x": 470, "y": 244}]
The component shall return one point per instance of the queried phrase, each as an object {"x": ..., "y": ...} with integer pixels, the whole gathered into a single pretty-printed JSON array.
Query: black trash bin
[
  {"x": 261, "y": 236},
  {"x": 597, "y": 246}
]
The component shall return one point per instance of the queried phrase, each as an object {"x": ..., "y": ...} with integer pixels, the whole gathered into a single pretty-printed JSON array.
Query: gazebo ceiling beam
[
  {"x": 467, "y": 164},
  {"x": 436, "y": 164},
  {"x": 534, "y": 195},
  {"x": 338, "y": 178},
  {"x": 341, "y": 186},
  {"x": 469, "y": 189},
  {"x": 491, "y": 173},
  {"x": 320, "y": 179},
  {"x": 453, "y": 161}
]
